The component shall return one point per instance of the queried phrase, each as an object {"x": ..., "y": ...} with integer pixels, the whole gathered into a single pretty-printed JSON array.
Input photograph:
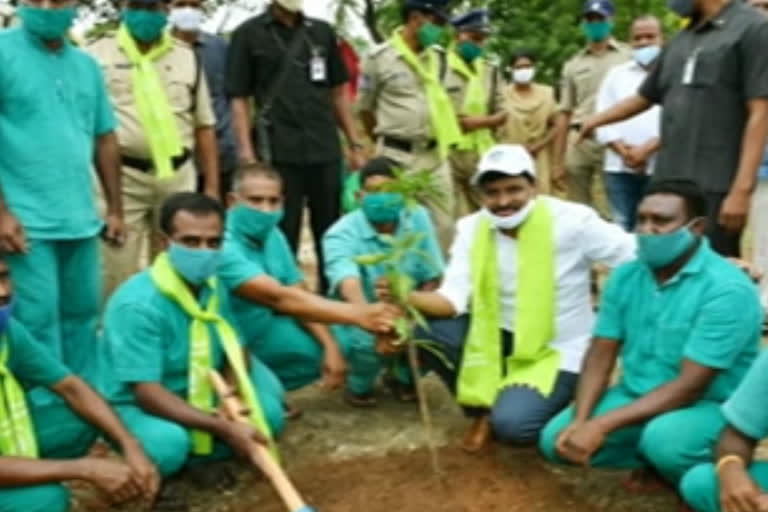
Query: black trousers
[
  {"x": 724, "y": 242},
  {"x": 317, "y": 186}
]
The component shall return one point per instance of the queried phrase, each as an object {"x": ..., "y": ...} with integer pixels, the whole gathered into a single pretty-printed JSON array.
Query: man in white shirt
[
  {"x": 631, "y": 145},
  {"x": 513, "y": 314}
]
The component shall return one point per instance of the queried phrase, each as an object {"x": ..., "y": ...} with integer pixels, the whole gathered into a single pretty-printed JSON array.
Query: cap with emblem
[
  {"x": 476, "y": 20},
  {"x": 602, "y": 7},
  {"x": 509, "y": 159},
  {"x": 436, "y": 7}
]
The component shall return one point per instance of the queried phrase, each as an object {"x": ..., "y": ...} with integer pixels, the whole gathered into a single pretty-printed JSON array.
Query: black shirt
[
  {"x": 703, "y": 80},
  {"x": 302, "y": 119}
]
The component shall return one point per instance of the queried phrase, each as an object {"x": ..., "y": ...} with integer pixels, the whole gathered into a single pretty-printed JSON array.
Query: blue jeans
[
  {"x": 625, "y": 190},
  {"x": 520, "y": 412}
]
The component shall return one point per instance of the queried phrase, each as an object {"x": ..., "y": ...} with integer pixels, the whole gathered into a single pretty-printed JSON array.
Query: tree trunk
[{"x": 369, "y": 18}]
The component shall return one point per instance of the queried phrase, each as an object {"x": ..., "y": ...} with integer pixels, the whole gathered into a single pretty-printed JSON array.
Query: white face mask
[
  {"x": 187, "y": 19},
  {"x": 291, "y": 5},
  {"x": 523, "y": 75},
  {"x": 511, "y": 221}
]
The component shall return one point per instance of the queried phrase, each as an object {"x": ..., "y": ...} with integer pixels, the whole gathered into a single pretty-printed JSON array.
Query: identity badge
[{"x": 318, "y": 71}]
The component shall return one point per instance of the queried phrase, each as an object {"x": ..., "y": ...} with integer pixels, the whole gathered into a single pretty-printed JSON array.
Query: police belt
[
  {"x": 144, "y": 165},
  {"x": 406, "y": 145}
]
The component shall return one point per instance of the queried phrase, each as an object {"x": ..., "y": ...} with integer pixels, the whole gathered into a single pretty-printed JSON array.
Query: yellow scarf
[
  {"x": 200, "y": 393},
  {"x": 475, "y": 102},
  {"x": 445, "y": 126},
  {"x": 157, "y": 118},
  {"x": 17, "y": 434},
  {"x": 533, "y": 362}
]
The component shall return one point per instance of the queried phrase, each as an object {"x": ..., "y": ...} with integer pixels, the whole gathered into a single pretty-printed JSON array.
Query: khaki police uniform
[
  {"x": 580, "y": 81},
  {"x": 395, "y": 94},
  {"x": 143, "y": 193},
  {"x": 464, "y": 162}
]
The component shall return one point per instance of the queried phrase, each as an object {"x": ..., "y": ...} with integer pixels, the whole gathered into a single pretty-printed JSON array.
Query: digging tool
[{"x": 259, "y": 454}]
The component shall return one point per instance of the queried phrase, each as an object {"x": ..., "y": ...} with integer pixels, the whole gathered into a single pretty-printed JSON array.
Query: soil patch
[{"x": 405, "y": 483}]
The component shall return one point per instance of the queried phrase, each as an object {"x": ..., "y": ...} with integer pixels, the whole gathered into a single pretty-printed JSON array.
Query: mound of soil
[{"x": 406, "y": 483}]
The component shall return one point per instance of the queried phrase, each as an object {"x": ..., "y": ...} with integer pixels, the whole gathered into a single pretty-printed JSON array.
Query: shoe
[
  {"x": 170, "y": 499},
  {"x": 478, "y": 437},
  {"x": 360, "y": 400}
]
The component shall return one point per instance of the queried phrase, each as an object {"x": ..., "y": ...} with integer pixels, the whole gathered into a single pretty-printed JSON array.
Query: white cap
[
  {"x": 509, "y": 159},
  {"x": 291, "y": 5}
]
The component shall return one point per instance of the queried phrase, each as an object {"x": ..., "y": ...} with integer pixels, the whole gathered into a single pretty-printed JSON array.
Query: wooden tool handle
[{"x": 259, "y": 454}]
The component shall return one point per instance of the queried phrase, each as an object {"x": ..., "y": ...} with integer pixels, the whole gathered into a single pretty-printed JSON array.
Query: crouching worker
[
  {"x": 736, "y": 482},
  {"x": 165, "y": 329},
  {"x": 686, "y": 324},
  {"x": 515, "y": 301},
  {"x": 363, "y": 232},
  {"x": 285, "y": 325},
  {"x": 42, "y": 446}
]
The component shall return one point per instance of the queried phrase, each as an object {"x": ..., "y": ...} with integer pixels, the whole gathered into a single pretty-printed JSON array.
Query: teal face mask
[
  {"x": 253, "y": 223},
  {"x": 195, "y": 265},
  {"x": 383, "y": 207},
  {"x": 429, "y": 34},
  {"x": 597, "y": 31},
  {"x": 469, "y": 51},
  {"x": 144, "y": 25},
  {"x": 47, "y": 24},
  {"x": 658, "y": 251}
]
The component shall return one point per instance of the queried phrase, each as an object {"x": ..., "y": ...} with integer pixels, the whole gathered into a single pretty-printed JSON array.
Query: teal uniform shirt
[
  {"x": 52, "y": 107},
  {"x": 147, "y": 339},
  {"x": 708, "y": 313},
  {"x": 243, "y": 259},
  {"x": 29, "y": 361},
  {"x": 745, "y": 409},
  {"x": 353, "y": 236}
]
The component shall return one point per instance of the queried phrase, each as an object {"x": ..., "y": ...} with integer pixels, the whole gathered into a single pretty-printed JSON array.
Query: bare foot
[{"x": 478, "y": 437}]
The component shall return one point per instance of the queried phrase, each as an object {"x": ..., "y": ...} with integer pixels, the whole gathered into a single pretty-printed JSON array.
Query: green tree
[{"x": 552, "y": 28}]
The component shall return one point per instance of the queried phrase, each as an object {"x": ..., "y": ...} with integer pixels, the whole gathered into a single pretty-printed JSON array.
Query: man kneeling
[
  {"x": 518, "y": 285},
  {"x": 736, "y": 483},
  {"x": 166, "y": 328},
  {"x": 686, "y": 323},
  {"x": 42, "y": 446},
  {"x": 362, "y": 232}
]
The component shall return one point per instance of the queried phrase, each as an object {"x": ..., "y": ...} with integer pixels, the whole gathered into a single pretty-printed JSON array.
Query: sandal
[
  {"x": 405, "y": 393},
  {"x": 360, "y": 400}
]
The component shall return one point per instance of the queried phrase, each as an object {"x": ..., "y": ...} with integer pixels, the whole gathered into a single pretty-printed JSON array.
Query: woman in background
[{"x": 531, "y": 108}]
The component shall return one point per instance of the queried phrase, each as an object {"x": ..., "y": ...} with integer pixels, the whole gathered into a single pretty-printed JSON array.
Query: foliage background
[{"x": 550, "y": 28}]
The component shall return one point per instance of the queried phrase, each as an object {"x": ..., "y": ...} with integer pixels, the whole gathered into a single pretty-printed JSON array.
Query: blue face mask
[
  {"x": 47, "y": 24},
  {"x": 658, "y": 251},
  {"x": 597, "y": 31},
  {"x": 383, "y": 207},
  {"x": 644, "y": 56},
  {"x": 469, "y": 51},
  {"x": 253, "y": 223},
  {"x": 5, "y": 315},
  {"x": 195, "y": 265},
  {"x": 145, "y": 25}
]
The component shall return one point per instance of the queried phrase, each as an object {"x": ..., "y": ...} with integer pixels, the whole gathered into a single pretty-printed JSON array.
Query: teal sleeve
[
  {"x": 281, "y": 252},
  {"x": 610, "y": 319},
  {"x": 723, "y": 326},
  {"x": 135, "y": 343},
  {"x": 434, "y": 265},
  {"x": 745, "y": 409},
  {"x": 235, "y": 268},
  {"x": 339, "y": 250},
  {"x": 31, "y": 362},
  {"x": 104, "y": 120}
]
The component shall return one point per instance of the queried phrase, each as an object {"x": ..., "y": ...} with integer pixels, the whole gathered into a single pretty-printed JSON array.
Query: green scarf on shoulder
[
  {"x": 533, "y": 363},
  {"x": 445, "y": 126},
  {"x": 200, "y": 394},
  {"x": 155, "y": 113},
  {"x": 475, "y": 102},
  {"x": 17, "y": 434}
]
